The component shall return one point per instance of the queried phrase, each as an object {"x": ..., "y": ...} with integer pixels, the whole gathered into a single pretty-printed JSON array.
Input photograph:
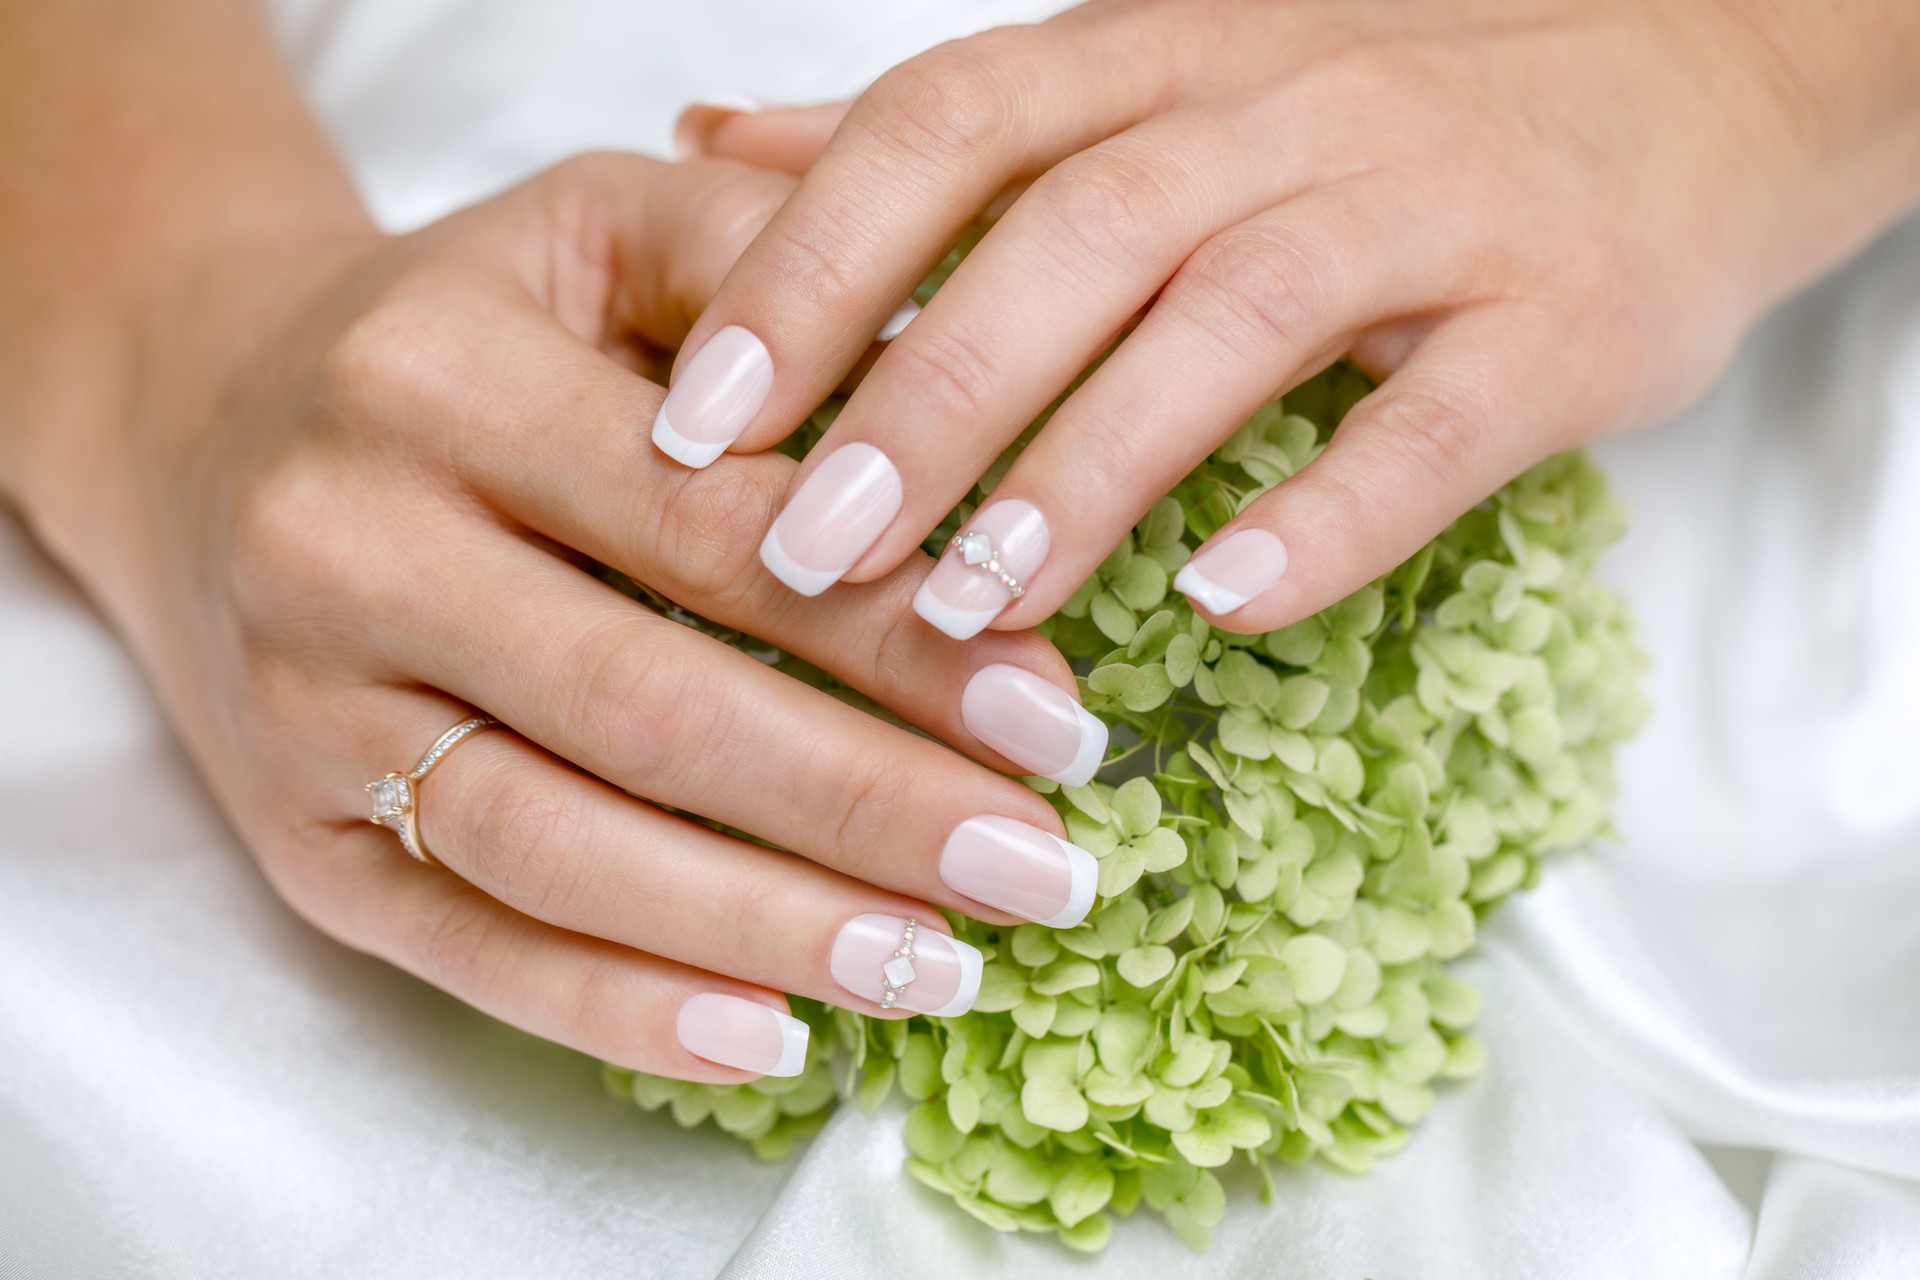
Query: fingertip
[{"x": 693, "y": 131}]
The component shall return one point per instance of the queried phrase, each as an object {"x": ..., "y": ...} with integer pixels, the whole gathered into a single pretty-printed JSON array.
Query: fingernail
[
  {"x": 1008, "y": 864},
  {"x": 1033, "y": 723},
  {"x": 714, "y": 398},
  {"x": 1002, "y": 547},
  {"x": 842, "y": 508},
  {"x": 941, "y": 978},
  {"x": 1234, "y": 570},
  {"x": 898, "y": 321},
  {"x": 742, "y": 1033},
  {"x": 696, "y": 124}
]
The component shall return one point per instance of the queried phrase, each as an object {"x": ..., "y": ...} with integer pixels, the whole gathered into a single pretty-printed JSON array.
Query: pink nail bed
[
  {"x": 942, "y": 978},
  {"x": 744, "y": 1034},
  {"x": 966, "y": 589},
  {"x": 840, "y": 510},
  {"x": 1232, "y": 571},
  {"x": 716, "y": 395},
  {"x": 1033, "y": 723},
  {"x": 1018, "y": 868}
]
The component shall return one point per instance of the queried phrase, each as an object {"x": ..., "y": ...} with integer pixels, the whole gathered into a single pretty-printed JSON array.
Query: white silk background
[{"x": 1704, "y": 1044}]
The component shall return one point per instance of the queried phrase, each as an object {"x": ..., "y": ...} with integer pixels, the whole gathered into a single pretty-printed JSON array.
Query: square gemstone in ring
[
  {"x": 976, "y": 548},
  {"x": 391, "y": 797},
  {"x": 899, "y": 971}
]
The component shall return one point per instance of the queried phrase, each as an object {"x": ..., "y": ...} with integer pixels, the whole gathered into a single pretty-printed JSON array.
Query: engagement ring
[{"x": 395, "y": 801}]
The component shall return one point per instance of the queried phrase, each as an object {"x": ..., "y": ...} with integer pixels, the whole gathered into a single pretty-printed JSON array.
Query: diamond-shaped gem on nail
[
  {"x": 976, "y": 548},
  {"x": 391, "y": 797},
  {"x": 899, "y": 971}
]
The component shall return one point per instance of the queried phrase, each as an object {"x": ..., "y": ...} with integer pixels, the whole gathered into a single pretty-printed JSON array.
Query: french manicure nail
[
  {"x": 986, "y": 569},
  {"x": 941, "y": 978},
  {"x": 1008, "y": 864},
  {"x": 742, "y": 1033},
  {"x": 898, "y": 321},
  {"x": 714, "y": 398},
  {"x": 1234, "y": 570},
  {"x": 1033, "y": 723},
  {"x": 841, "y": 509}
]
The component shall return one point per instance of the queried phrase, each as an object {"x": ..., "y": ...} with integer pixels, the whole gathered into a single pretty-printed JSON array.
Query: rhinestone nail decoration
[
  {"x": 896, "y": 973},
  {"x": 977, "y": 550}
]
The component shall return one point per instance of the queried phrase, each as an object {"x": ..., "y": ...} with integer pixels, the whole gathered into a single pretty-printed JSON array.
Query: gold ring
[{"x": 395, "y": 799}]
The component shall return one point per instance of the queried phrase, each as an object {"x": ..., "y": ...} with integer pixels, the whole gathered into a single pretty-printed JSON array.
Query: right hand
[{"x": 353, "y": 503}]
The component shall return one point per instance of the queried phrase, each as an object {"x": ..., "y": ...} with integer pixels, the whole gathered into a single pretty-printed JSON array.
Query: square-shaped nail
[
  {"x": 840, "y": 510},
  {"x": 926, "y": 971},
  {"x": 745, "y": 1034},
  {"x": 1232, "y": 571},
  {"x": 715, "y": 397},
  {"x": 1019, "y": 868},
  {"x": 985, "y": 568},
  {"x": 1033, "y": 723}
]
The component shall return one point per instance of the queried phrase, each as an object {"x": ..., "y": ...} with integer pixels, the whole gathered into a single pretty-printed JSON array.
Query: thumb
[{"x": 757, "y": 133}]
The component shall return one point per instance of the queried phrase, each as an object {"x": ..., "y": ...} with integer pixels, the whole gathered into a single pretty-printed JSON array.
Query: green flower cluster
[{"x": 1302, "y": 829}]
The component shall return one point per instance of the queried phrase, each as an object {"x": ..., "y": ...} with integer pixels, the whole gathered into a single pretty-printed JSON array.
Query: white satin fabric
[{"x": 1704, "y": 1044}]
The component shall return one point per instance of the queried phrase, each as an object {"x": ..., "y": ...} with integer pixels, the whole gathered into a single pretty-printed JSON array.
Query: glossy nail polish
[
  {"x": 742, "y": 1033},
  {"x": 1232, "y": 571},
  {"x": 1033, "y": 723},
  {"x": 941, "y": 978},
  {"x": 985, "y": 569},
  {"x": 840, "y": 510},
  {"x": 896, "y": 323},
  {"x": 714, "y": 398},
  {"x": 1019, "y": 868}
]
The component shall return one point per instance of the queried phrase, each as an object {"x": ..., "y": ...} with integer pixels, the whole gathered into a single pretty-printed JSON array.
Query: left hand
[{"x": 1537, "y": 227}]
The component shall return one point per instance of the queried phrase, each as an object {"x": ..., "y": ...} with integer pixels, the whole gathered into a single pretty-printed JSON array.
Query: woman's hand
[
  {"x": 1538, "y": 222},
  {"x": 370, "y": 515},
  {"x": 338, "y": 491}
]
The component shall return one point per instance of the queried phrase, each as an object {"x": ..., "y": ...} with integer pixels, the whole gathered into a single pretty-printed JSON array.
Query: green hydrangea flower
[{"x": 1305, "y": 827}]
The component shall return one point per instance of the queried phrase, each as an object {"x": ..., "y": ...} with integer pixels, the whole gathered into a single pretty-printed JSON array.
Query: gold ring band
[{"x": 396, "y": 803}]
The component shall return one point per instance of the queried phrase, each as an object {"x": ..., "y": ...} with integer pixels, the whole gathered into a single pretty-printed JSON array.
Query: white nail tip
[
  {"x": 898, "y": 321},
  {"x": 1093, "y": 751},
  {"x": 1085, "y": 869},
  {"x": 961, "y": 624},
  {"x": 808, "y": 582},
  {"x": 972, "y": 965},
  {"x": 1190, "y": 582},
  {"x": 731, "y": 102},
  {"x": 688, "y": 453},
  {"x": 793, "y": 1046}
]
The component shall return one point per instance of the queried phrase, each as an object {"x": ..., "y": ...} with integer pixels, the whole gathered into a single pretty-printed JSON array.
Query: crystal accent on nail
[
  {"x": 976, "y": 549},
  {"x": 392, "y": 797},
  {"x": 897, "y": 972}
]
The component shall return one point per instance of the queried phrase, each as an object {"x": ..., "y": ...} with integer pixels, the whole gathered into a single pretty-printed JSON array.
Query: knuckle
[
  {"x": 633, "y": 706},
  {"x": 817, "y": 258},
  {"x": 277, "y": 564},
  {"x": 1262, "y": 290},
  {"x": 954, "y": 101},
  {"x": 947, "y": 369},
  {"x": 523, "y": 822},
  {"x": 458, "y": 947},
  {"x": 1430, "y": 433},
  {"x": 873, "y": 793},
  {"x": 1109, "y": 208},
  {"x": 385, "y": 364},
  {"x": 704, "y": 548}
]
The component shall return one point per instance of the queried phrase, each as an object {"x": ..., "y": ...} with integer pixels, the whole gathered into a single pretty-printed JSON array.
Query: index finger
[{"x": 916, "y": 159}]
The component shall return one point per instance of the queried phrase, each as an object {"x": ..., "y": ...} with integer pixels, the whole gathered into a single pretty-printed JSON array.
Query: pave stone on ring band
[
  {"x": 976, "y": 549},
  {"x": 896, "y": 973},
  {"x": 395, "y": 801}
]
